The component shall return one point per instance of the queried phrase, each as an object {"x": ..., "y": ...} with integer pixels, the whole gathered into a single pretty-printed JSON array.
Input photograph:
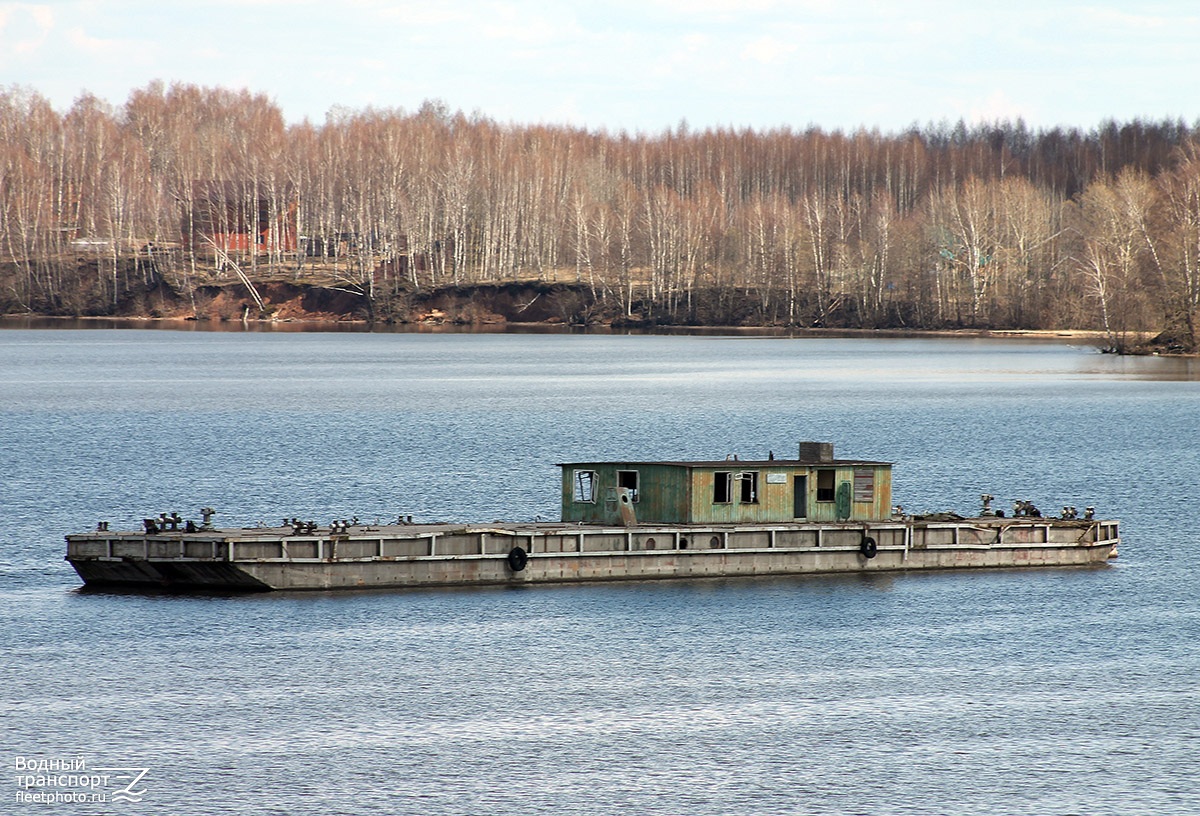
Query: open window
[
  {"x": 748, "y": 487},
  {"x": 584, "y": 486},
  {"x": 825, "y": 486},
  {"x": 628, "y": 479},
  {"x": 722, "y": 487}
]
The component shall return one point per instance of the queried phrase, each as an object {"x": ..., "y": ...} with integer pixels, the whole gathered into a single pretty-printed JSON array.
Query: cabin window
[
  {"x": 722, "y": 487},
  {"x": 825, "y": 489},
  {"x": 585, "y": 486},
  {"x": 628, "y": 479},
  {"x": 864, "y": 485},
  {"x": 748, "y": 487}
]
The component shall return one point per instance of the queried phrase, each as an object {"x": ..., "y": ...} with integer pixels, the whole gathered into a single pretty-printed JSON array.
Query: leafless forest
[{"x": 987, "y": 226}]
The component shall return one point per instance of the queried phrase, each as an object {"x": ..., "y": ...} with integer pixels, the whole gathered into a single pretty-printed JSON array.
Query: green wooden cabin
[{"x": 813, "y": 487}]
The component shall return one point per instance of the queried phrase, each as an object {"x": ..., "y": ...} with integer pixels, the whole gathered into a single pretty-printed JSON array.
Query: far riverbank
[{"x": 1074, "y": 336}]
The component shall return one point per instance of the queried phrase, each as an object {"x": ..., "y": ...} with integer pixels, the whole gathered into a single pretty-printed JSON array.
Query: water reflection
[
  {"x": 1153, "y": 367},
  {"x": 847, "y": 355}
]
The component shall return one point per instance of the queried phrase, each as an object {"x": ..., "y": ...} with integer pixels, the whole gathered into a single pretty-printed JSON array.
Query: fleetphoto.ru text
[{"x": 73, "y": 780}]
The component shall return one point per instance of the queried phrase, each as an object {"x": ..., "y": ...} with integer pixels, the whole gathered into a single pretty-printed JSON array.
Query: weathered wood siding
[
  {"x": 878, "y": 509},
  {"x": 680, "y": 493},
  {"x": 775, "y": 499},
  {"x": 662, "y": 493}
]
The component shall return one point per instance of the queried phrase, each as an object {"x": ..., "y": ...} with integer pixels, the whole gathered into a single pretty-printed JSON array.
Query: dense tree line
[{"x": 991, "y": 225}]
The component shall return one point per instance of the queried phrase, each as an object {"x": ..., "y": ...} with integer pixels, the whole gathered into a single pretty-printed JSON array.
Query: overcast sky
[{"x": 634, "y": 65}]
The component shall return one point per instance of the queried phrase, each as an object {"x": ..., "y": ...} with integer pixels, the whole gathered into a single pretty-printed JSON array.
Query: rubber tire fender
[
  {"x": 517, "y": 559},
  {"x": 868, "y": 547}
]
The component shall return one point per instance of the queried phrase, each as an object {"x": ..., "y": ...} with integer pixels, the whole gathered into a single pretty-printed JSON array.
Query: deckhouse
[{"x": 812, "y": 487}]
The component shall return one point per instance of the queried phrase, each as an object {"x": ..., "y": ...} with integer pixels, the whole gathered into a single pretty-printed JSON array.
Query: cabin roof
[{"x": 738, "y": 463}]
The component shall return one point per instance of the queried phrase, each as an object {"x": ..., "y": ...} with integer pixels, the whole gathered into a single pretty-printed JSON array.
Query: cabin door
[{"x": 799, "y": 497}]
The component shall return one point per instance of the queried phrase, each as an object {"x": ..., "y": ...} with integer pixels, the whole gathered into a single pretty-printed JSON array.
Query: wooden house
[
  {"x": 814, "y": 487},
  {"x": 239, "y": 218}
]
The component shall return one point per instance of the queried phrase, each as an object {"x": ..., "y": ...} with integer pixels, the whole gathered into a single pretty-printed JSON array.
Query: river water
[{"x": 1040, "y": 692}]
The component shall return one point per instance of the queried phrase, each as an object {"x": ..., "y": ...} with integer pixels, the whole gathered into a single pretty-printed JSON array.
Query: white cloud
[
  {"x": 513, "y": 27},
  {"x": 995, "y": 107},
  {"x": 24, "y": 27},
  {"x": 769, "y": 50},
  {"x": 413, "y": 15},
  {"x": 1117, "y": 19},
  {"x": 693, "y": 8},
  {"x": 96, "y": 46}
]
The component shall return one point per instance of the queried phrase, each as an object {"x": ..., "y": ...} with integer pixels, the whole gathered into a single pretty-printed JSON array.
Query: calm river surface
[{"x": 995, "y": 692}]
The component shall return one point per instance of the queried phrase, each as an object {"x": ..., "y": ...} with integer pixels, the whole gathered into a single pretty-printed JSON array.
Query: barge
[{"x": 620, "y": 521}]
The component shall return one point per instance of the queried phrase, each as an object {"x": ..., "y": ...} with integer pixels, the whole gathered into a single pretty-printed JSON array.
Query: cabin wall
[
  {"x": 662, "y": 493},
  {"x": 878, "y": 508},
  {"x": 752, "y": 492},
  {"x": 774, "y": 494}
]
